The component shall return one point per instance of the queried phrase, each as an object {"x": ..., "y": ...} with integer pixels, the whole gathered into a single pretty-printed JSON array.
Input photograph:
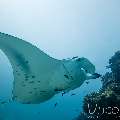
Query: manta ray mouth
[
  {"x": 97, "y": 75},
  {"x": 93, "y": 76}
]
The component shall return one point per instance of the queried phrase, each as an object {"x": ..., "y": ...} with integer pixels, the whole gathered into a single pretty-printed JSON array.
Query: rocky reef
[{"x": 105, "y": 104}]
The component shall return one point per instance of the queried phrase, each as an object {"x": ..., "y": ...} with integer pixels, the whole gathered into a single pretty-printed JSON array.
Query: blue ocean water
[{"x": 62, "y": 29}]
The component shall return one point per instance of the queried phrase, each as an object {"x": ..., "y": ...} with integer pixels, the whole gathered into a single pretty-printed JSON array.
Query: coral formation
[{"x": 105, "y": 104}]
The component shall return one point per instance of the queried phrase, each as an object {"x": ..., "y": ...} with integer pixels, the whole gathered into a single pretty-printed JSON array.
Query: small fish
[
  {"x": 63, "y": 93},
  {"x": 73, "y": 94},
  {"x": 79, "y": 59},
  {"x": 75, "y": 57},
  {"x": 55, "y": 104},
  {"x": 66, "y": 76},
  {"x": 87, "y": 82},
  {"x": 58, "y": 90}
]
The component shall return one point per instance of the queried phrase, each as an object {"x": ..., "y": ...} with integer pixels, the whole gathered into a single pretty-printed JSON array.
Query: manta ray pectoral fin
[
  {"x": 24, "y": 54},
  {"x": 32, "y": 68}
]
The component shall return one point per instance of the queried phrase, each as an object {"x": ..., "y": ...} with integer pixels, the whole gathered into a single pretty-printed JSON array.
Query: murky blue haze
[{"x": 62, "y": 29}]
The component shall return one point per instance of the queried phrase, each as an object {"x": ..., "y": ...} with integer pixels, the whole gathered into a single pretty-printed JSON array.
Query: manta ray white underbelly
[{"x": 37, "y": 76}]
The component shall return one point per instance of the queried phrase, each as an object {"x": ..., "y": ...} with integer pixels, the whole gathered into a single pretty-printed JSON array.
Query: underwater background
[{"x": 62, "y": 29}]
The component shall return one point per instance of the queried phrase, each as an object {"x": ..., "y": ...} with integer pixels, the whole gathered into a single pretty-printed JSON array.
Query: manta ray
[{"x": 37, "y": 76}]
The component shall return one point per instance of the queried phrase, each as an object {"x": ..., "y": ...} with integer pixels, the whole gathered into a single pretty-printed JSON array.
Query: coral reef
[{"x": 105, "y": 104}]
